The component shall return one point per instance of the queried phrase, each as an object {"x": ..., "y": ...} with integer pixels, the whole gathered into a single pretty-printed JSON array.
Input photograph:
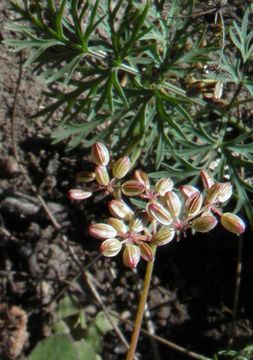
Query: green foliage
[
  {"x": 245, "y": 354},
  {"x": 134, "y": 75},
  {"x": 74, "y": 338}
]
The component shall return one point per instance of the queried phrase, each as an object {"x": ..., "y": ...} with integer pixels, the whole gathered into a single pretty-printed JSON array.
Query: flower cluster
[{"x": 167, "y": 212}]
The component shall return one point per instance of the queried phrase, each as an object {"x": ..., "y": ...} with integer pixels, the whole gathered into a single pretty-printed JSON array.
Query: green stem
[{"x": 141, "y": 308}]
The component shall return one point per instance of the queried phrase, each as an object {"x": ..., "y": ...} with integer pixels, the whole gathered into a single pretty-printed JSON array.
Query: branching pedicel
[{"x": 167, "y": 214}]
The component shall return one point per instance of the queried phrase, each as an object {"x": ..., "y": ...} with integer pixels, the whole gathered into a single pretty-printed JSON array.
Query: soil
[{"x": 192, "y": 293}]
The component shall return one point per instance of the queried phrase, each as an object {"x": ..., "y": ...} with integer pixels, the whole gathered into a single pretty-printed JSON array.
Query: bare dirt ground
[{"x": 191, "y": 298}]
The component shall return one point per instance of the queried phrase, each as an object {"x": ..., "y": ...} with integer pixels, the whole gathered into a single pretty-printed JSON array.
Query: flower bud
[
  {"x": 131, "y": 255},
  {"x": 193, "y": 204},
  {"x": 120, "y": 210},
  {"x": 132, "y": 188},
  {"x": 85, "y": 176},
  {"x": 118, "y": 225},
  {"x": 188, "y": 190},
  {"x": 77, "y": 194},
  {"x": 100, "y": 154},
  {"x": 102, "y": 176},
  {"x": 142, "y": 177},
  {"x": 213, "y": 192},
  {"x": 159, "y": 213},
  {"x": 163, "y": 185},
  {"x": 163, "y": 236},
  {"x": 146, "y": 251},
  {"x": 111, "y": 247},
  {"x": 173, "y": 203},
  {"x": 204, "y": 223},
  {"x": 233, "y": 223},
  {"x": 121, "y": 167},
  {"x": 102, "y": 231},
  {"x": 225, "y": 192},
  {"x": 206, "y": 179},
  {"x": 139, "y": 222}
]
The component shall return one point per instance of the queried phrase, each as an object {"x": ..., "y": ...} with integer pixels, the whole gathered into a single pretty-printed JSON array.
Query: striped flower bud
[
  {"x": 120, "y": 210},
  {"x": 188, "y": 190},
  {"x": 102, "y": 231},
  {"x": 213, "y": 193},
  {"x": 139, "y": 222},
  {"x": 85, "y": 176},
  {"x": 131, "y": 255},
  {"x": 225, "y": 192},
  {"x": 121, "y": 167},
  {"x": 110, "y": 247},
  {"x": 173, "y": 203},
  {"x": 159, "y": 213},
  {"x": 204, "y": 223},
  {"x": 163, "y": 236},
  {"x": 77, "y": 194},
  {"x": 163, "y": 185},
  {"x": 193, "y": 204},
  {"x": 100, "y": 154},
  {"x": 146, "y": 251},
  {"x": 102, "y": 176},
  {"x": 118, "y": 225},
  {"x": 206, "y": 179},
  {"x": 132, "y": 188},
  {"x": 142, "y": 177},
  {"x": 233, "y": 223}
]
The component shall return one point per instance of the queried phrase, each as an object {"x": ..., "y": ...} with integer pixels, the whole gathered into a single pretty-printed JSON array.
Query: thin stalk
[{"x": 141, "y": 309}]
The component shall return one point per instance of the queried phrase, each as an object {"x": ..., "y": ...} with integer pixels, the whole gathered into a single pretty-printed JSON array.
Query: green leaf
[
  {"x": 103, "y": 323},
  {"x": 85, "y": 350},
  {"x": 54, "y": 348},
  {"x": 68, "y": 306}
]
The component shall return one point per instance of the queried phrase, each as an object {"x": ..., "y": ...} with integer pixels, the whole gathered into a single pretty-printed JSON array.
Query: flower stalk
[{"x": 141, "y": 307}]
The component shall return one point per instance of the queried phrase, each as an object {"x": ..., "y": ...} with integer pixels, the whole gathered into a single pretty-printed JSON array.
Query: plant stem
[{"x": 141, "y": 308}]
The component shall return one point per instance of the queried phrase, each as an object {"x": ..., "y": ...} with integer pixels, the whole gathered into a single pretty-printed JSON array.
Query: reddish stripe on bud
[
  {"x": 173, "y": 203},
  {"x": 142, "y": 177},
  {"x": 163, "y": 236},
  {"x": 164, "y": 185},
  {"x": 85, "y": 176}
]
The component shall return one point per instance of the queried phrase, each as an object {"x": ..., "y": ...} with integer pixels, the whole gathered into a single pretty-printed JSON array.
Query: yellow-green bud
[
  {"x": 204, "y": 223},
  {"x": 102, "y": 176},
  {"x": 118, "y": 225},
  {"x": 131, "y": 255},
  {"x": 173, "y": 203},
  {"x": 85, "y": 176},
  {"x": 233, "y": 223},
  {"x": 159, "y": 213},
  {"x": 164, "y": 185},
  {"x": 163, "y": 236},
  {"x": 120, "y": 210},
  {"x": 121, "y": 167},
  {"x": 110, "y": 247},
  {"x": 132, "y": 188},
  {"x": 146, "y": 251}
]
